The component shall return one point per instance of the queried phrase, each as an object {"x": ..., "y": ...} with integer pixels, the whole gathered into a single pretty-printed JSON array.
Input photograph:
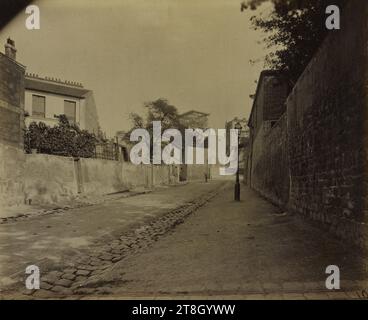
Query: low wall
[
  {"x": 49, "y": 179},
  {"x": 11, "y": 176},
  {"x": 197, "y": 172},
  {"x": 174, "y": 174},
  {"x": 135, "y": 176},
  {"x": 100, "y": 176},
  {"x": 161, "y": 175}
]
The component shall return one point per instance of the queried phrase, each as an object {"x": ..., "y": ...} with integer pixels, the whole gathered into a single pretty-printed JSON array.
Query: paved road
[
  {"x": 200, "y": 244},
  {"x": 228, "y": 248},
  {"x": 240, "y": 250},
  {"x": 57, "y": 240}
]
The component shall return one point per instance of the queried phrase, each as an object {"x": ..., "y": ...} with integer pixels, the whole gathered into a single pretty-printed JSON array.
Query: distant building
[
  {"x": 46, "y": 98},
  {"x": 194, "y": 119},
  {"x": 269, "y": 101},
  {"x": 243, "y": 141},
  {"x": 231, "y": 125},
  {"x": 268, "y": 106}
]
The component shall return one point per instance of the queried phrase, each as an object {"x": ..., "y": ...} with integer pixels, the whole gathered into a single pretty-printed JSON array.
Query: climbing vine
[{"x": 64, "y": 139}]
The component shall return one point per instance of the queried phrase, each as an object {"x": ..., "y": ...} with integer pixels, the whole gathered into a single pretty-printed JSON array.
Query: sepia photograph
[{"x": 183, "y": 150}]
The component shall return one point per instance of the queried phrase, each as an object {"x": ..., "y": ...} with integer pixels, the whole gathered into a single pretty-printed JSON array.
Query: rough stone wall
[
  {"x": 246, "y": 161},
  {"x": 255, "y": 156},
  {"x": 326, "y": 114},
  {"x": 270, "y": 171}
]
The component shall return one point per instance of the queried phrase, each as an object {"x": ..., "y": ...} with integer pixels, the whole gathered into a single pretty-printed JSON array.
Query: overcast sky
[{"x": 195, "y": 53}]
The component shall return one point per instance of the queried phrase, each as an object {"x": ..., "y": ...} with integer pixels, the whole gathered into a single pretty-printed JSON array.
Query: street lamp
[{"x": 237, "y": 126}]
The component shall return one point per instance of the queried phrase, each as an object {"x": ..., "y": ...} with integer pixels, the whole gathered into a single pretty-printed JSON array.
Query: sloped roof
[{"x": 55, "y": 88}]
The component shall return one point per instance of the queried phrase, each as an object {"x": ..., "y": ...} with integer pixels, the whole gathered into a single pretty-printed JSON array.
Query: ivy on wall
[{"x": 64, "y": 139}]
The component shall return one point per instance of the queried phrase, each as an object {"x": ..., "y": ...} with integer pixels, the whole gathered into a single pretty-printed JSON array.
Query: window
[
  {"x": 70, "y": 110},
  {"x": 38, "y": 106}
]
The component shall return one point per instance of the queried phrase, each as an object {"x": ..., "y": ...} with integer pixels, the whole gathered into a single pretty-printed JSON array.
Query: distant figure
[{"x": 206, "y": 176}]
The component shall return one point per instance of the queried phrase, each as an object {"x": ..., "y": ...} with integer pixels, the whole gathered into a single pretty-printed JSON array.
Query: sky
[{"x": 195, "y": 53}]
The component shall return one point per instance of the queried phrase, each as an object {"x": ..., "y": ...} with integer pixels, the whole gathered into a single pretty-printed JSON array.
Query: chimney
[{"x": 10, "y": 50}]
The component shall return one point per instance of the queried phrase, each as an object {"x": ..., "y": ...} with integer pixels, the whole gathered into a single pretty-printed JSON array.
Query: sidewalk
[
  {"x": 243, "y": 250},
  {"x": 55, "y": 240}
]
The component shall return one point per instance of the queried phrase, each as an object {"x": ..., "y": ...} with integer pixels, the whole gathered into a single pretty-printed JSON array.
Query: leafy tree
[
  {"x": 161, "y": 110},
  {"x": 64, "y": 139},
  {"x": 157, "y": 110},
  {"x": 295, "y": 29}
]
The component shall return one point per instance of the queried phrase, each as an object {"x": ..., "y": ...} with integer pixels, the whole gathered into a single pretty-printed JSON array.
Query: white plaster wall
[{"x": 54, "y": 106}]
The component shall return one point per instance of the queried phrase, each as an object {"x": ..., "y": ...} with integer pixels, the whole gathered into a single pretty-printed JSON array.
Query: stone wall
[
  {"x": 161, "y": 174},
  {"x": 270, "y": 170},
  {"x": 314, "y": 159},
  {"x": 197, "y": 171},
  {"x": 326, "y": 114},
  {"x": 49, "y": 179},
  {"x": 136, "y": 176},
  {"x": 11, "y": 176},
  {"x": 267, "y": 167},
  {"x": 100, "y": 176}
]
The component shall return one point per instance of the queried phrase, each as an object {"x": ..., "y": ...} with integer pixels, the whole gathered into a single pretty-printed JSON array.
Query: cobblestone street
[
  {"x": 197, "y": 242},
  {"x": 70, "y": 245}
]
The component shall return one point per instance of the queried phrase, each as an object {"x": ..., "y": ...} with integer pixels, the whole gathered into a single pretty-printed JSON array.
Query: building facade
[
  {"x": 269, "y": 105},
  {"x": 194, "y": 119},
  {"x": 243, "y": 141},
  {"x": 46, "y": 98},
  {"x": 11, "y": 97}
]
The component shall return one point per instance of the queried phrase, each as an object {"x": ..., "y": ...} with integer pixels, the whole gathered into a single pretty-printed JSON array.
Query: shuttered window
[
  {"x": 70, "y": 110},
  {"x": 38, "y": 106}
]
